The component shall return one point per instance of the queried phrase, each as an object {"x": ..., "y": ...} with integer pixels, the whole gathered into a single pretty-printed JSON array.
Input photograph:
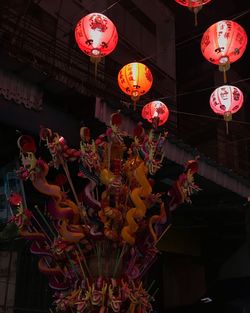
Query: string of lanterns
[{"x": 222, "y": 44}]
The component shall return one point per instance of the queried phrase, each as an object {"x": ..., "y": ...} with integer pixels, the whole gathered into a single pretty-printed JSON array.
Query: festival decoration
[
  {"x": 226, "y": 100},
  {"x": 194, "y": 6},
  {"x": 135, "y": 79},
  {"x": 224, "y": 43},
  {"x": 95, "y": 246},
  {"x": 96, "y": 36},
  {"x": 156, "y": 112}
]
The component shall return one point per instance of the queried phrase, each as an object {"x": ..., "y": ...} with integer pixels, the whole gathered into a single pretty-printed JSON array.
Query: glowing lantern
[
  {"x": 135, "y": 79},
  {"x": 96, "y": 36},
  {"x": 226, "y": 100},
  {"x": 223, "y": 43},
  {"x": 156, "y": 112},
  {"x": 193, "y": 5}
]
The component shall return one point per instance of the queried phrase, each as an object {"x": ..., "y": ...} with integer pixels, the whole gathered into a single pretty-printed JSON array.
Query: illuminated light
[
  {"x": 135, "y": 79},
  {"x": 96, "y": 36},
  {"x": 226, "y": 100},
  {"x": 224, "y": 43},
  {"x": 156, "y": 112}
]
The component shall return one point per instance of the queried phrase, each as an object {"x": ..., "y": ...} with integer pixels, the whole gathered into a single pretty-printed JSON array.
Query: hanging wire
[
  {"x": 111, "y": 6},
  {"x": 186, "y": 93},
  {"x": 232, "y": 17}
]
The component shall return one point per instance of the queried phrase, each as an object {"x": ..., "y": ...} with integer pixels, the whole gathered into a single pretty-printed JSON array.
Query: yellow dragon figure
[{"x": 145, "y": 189}]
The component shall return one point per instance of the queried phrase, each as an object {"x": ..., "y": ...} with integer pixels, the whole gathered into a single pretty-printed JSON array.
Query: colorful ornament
[
  {"x": 156, "y": 112},
  {"x": 95, "y": 246},
  {"x": 193, "y": 5},
  {"x": 135, "y": 79},
  {"x": 226, "y": 100},
  {"x": 96, "y": 36},
  {"x": 223, "y": 43}
]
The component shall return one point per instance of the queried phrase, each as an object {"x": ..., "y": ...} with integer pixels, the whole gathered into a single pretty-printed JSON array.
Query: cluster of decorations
[
  {"x": 95, "y": 245},
  {"x": 96, "y": 36},
  {"x": 222, "y": 44}
]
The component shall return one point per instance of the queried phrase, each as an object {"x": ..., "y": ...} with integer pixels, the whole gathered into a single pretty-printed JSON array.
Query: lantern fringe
[
  {"x": 227, "y": 118},
  {"x": 95, "y": 61},
  {"x": 196, "y": 11},
  {"x": 227, "y": 128}
]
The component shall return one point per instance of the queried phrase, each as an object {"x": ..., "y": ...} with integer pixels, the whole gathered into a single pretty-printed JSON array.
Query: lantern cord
[
  {"x": 200, "y": 34},
  {"x": 194, "y": 91},
  {"x": 111, "y": 6},
  {"x": 238, "y": 140},
  {"x": 207, "y": 116},
  {"x": 178, "y": 44}
]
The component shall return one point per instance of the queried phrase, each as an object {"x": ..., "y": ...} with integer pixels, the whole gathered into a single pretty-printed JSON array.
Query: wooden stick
[
  {"x": 80, "y": 264},
  {"x": 163, "y": 233}
]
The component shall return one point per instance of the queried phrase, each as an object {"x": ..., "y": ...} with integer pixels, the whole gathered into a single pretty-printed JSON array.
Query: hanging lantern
[
  {"x": 226, "y": 100},
  {"x": 96, "y": 36},
  {"x": 193, "y": 5},
  {"x": 156, "y": 112},
  {"x": 223, "y": 43},
  {"x": 135, "y": 79}
]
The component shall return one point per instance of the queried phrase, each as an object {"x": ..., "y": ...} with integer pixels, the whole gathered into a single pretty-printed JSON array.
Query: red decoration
[
  {"x": 226, "y": 100},
  {"x": 15, "y": 199},
  {"x": 223, "y": 43},
  {"x": 96, "y": 35},
  {"x": 193, "y": 5},
  {"x": 26, "y": 144},
  {"x": 155, "y": 112},
  {"x": 135, "y": 79}
]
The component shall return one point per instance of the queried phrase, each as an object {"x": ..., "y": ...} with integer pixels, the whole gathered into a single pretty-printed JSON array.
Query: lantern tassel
[
  {"x": 96, "y": 64},
  {"x": 134, "y": 105},
  {"x": 224, "y": 68},
  {"x": 95, "y": 60},
  {"x": 227, "y": 119},
  {"x": 227, "y": 129},
  {"x": 224, "y": 75},
  {"x": 196, "y": 17}
]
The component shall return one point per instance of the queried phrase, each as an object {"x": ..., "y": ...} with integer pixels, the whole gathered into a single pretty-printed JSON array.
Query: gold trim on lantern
[
  {"x": 135, "y": 97},
  {"x": 227, "y": 116}
]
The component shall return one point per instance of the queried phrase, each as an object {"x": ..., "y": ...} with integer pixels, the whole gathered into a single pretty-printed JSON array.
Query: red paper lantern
[
  {"x": 135, "y": 79},
  {"x": 96, "y": 35},
  {"x": 193, "y": 5},
  {"x": 226, "y": 100},
  {"x": 156, "y": 112},
  {"x": 223, "y": 43}
]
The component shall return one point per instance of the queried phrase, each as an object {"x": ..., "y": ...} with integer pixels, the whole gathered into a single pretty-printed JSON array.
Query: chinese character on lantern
[
  {"x": 223, "y": 43},
  {"x": 226, "y": 100},
  {"x": 96, "y": 36}
]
